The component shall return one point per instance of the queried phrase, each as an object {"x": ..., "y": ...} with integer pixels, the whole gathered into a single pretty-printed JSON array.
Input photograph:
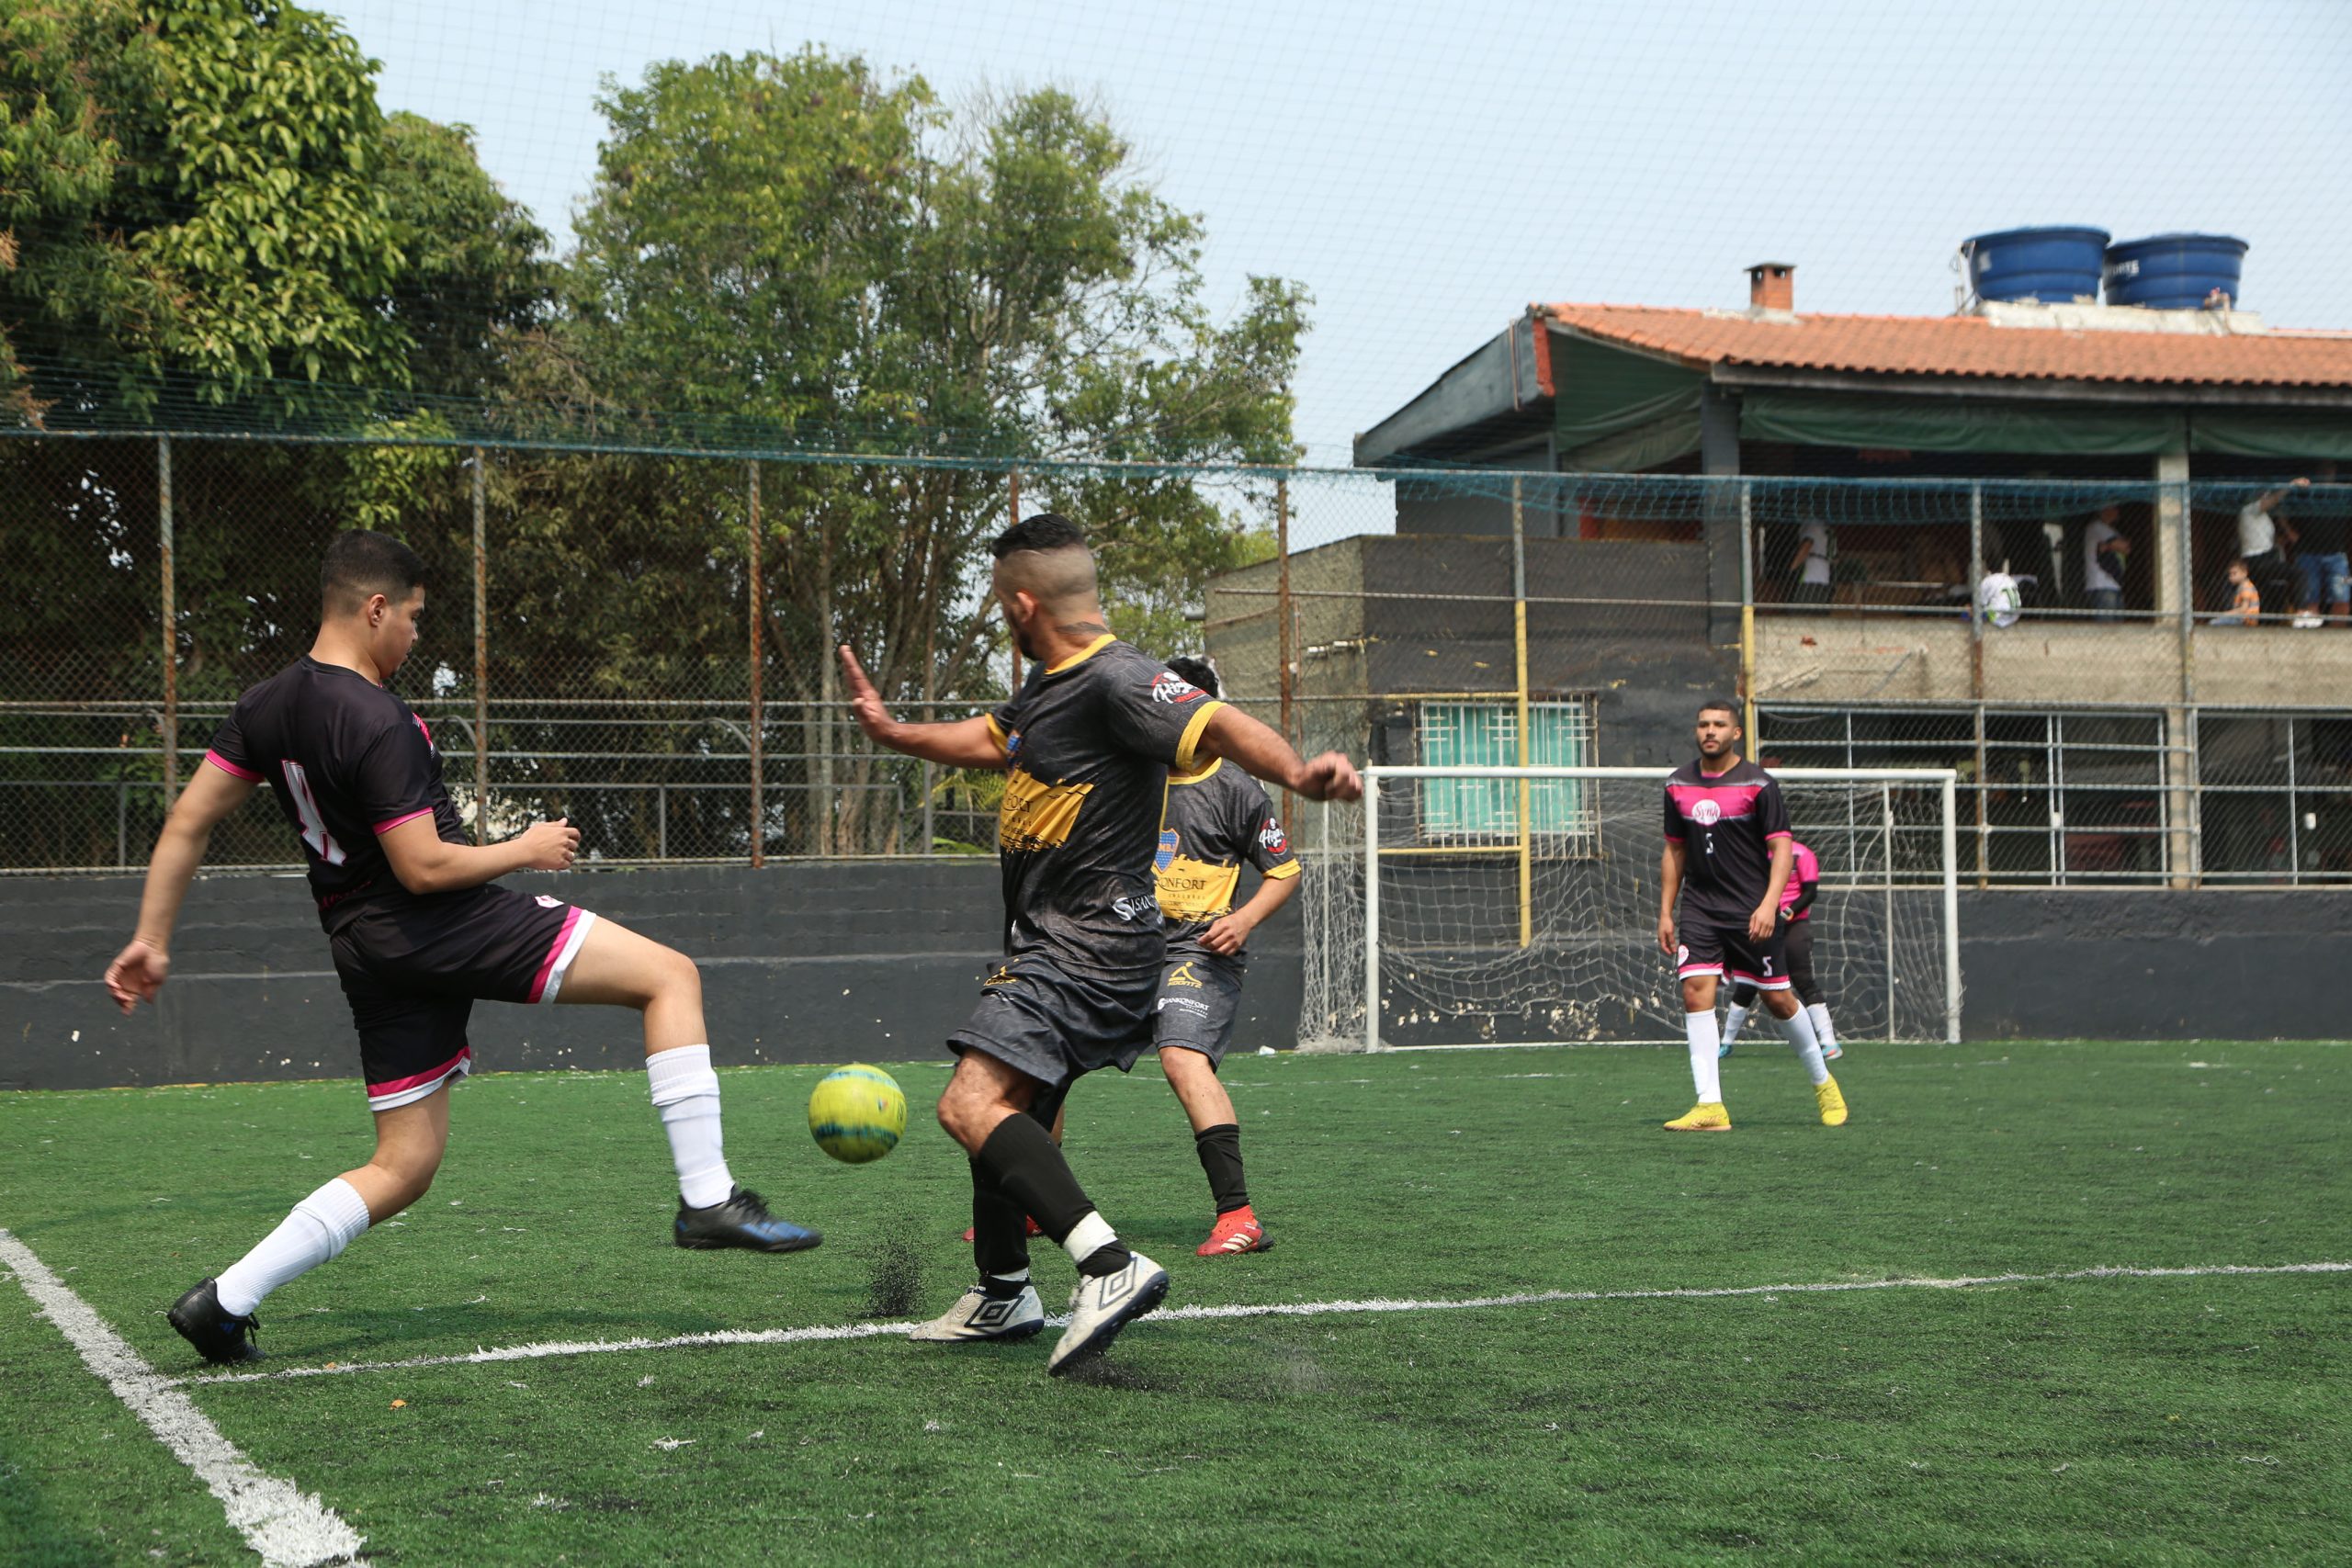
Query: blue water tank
[
  {"x": 2173, "y": 272},
  {"x": 2051, "y": 266}
]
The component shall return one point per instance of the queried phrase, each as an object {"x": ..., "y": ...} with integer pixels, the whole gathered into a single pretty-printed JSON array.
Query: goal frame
[{"x": 1946, "y": 779}]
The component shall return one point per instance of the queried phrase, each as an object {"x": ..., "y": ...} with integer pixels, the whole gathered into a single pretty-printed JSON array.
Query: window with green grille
[{"x": 1485, "y": 735}]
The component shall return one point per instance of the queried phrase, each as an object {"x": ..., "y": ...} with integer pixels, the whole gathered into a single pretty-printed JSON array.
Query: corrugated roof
[{"x": 1968, "y": 346}]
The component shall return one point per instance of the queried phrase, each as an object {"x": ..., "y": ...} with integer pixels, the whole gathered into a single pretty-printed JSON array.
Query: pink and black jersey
[
  {"x": 1805, "y": 871},
  {"x": 1727, "y": 823},
  {"x": 346, "y": 761}
]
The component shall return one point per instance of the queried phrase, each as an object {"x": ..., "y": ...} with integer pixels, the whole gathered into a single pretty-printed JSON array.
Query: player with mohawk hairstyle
[{"x": 1088, "y": 741}]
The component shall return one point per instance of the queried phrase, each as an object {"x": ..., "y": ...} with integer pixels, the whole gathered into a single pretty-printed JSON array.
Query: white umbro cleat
[
  {"x": 1099, "y": 1308},
  {"x": 978, "y": 1315}
]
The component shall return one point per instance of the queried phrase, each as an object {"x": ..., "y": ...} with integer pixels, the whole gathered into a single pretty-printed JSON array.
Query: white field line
[
  {"x": 545, "y": 1349},
  {"x": 285, "y": 1525}
]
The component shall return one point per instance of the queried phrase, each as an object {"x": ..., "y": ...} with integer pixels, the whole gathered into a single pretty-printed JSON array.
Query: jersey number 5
[{"x": 306, "y": 807}]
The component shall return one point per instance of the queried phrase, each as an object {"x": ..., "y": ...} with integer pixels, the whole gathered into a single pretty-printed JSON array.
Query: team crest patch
[
  {"x": 1165, "y": 856},
  {"x": 1170, "y": 687},
  {"x": 1012, "y": 745},
  {"x": 1682, "y": 954},
  {"x": 1274, "y": 838},
  {"x": 548, "y": 903},
  {"x": 1183, "y": 975},
  {"x": 1706, "y": 814}
]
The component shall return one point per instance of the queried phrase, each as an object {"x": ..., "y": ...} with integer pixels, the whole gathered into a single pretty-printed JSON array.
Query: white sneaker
[
  {"x": 2307, "y": 622},
  {"x": 978, "y": 1315},
  {"x": 1099, "y": 1308}
]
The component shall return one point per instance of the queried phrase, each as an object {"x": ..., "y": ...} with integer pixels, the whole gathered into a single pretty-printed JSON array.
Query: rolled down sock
[{"x": 320, "y": 1226}]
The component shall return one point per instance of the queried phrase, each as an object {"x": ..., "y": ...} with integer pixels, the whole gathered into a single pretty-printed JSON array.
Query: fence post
[
  {"x": 1519, "y": 643},
  {"x": 1013, "y": 519},
  {"x": 482, "y": 647},
  {"x": 1285, "y": 651},
  {"x": 1976, "y": 670},
  {"x": 170, "y": 607},
  {"x": 759, "y": 812},
  {"x": 1746, "y": 611},
  {"x": 2183, "y": 840},
  {"x": 826, "y": 693}
]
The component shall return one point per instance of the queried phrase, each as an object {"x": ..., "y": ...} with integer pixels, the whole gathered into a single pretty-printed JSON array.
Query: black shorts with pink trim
[
  {"x": 1730, "y": 953},
  {"x": 413, "y": 969}
]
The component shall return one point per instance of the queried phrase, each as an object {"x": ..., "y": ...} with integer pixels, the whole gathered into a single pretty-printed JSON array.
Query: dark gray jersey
[
  {"x": 1087, "y": 744},
  {"x": 1217, "y": 819}
]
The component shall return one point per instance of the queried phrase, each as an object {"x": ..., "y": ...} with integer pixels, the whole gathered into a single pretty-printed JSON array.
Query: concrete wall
[
  {"x": 835, "y": 962},
  {"x": 1841, "y": 658},
  {"x": 803, "y": 962}
]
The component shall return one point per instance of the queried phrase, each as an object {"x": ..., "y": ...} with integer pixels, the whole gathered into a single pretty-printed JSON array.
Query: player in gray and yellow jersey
[{"x": 1218, "y": 820}]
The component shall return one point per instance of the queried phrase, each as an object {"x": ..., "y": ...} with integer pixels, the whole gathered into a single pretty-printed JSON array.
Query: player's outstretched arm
[
  {"x": 138, "y": 970},
  {"x": 425, "y": 862},
  {"x": 960, "y": 743},
  {"x": 1257, "y": 750}
]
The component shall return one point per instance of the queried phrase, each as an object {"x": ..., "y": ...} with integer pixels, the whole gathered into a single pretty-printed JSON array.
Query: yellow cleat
[
  {"x": 1833, "y": 1104},
  {"x": 1706, "y": 1118}
]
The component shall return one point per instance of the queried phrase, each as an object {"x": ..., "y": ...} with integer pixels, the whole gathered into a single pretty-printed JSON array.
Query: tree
[{"x": 798, "y": 245}]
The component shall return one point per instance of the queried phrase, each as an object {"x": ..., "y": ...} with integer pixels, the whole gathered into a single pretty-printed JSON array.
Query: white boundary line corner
[{"x": 287, "y": 1527}]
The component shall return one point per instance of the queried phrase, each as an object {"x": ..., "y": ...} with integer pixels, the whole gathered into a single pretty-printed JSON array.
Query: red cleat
[
  {"x": 1033, "y": 1230},
  {"x": 1236, "y": 1231}
]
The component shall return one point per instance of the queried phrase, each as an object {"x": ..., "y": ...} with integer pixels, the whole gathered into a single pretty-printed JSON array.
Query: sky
[{"x": 1429, "y": 170}]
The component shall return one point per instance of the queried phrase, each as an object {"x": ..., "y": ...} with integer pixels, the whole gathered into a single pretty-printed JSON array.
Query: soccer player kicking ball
[
  {"x": 1088, "y": 740},
  {"x": 1796, "y": 920},
  {"x": 1216, "y": 817},
  {"x": 419, "y": 931},
  {"x": 1727, "y": 841}
]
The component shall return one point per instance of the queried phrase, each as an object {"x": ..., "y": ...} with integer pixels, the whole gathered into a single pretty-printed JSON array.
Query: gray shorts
[
  {"x": 1200, "y": 997},
  {"x": 1057, "y": 1026}
]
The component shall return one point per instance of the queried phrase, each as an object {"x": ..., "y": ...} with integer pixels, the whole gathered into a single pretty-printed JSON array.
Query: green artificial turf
[{"x": 2193, "y": 1419}]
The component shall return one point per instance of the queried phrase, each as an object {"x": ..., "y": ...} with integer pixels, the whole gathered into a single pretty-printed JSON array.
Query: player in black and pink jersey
[
  {"x": 1797, "y": 924},
  {"x": 420, "y": 931},
  {"x": 1728, "y": 852}
]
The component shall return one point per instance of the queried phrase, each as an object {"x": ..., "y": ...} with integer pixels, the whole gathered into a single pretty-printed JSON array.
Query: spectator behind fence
[
  {"x": 2263, "y": 539},
  {"x": 1809, "y": 568},
  {"x": 2025, "y": 549},
  {"x": 2104, "y": 552},
  {"x": 2246, "y": 599},
  {"x": 2321, "y": 530}
]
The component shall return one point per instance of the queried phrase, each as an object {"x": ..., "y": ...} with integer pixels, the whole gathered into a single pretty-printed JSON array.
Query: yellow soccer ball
[{"x": 857, "y": 1113}]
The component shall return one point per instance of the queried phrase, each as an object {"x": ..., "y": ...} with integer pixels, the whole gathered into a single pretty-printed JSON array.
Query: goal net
[{"x": 1518, "y": 906}]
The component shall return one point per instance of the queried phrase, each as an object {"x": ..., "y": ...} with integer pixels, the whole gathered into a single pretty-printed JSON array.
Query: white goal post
[{"x": 1503, "y": 905}]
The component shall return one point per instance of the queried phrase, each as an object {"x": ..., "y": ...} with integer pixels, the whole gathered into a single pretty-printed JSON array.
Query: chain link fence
[{"x": 643, "y": 643}]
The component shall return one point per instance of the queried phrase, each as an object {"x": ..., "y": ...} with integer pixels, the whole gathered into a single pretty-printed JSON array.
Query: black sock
[
  {"x": 999, "y": 1228},
  {"x": 1029, "y": 1171},
  {"x": 1108, "y": 1258},
  {"x": 1220, "y": 1151}
]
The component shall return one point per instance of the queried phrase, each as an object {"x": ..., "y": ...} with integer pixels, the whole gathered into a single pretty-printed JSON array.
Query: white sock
[
  {"x": 1734, "y": 1020},
  {"x": 320, "y": 1225},
  {"x": 1819, "y": 1013},
  {"x": 1706, "y": 1074},
  {"x": 1797, "y": 1029},
  {"x": 1089, "y": 1237},
  {"x": 685, "y": 1091}
]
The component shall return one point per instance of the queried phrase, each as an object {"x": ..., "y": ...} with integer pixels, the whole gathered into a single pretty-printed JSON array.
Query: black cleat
[
  {"x": 742, "y": 1221},
  {"x": 219, "y": 1336}
]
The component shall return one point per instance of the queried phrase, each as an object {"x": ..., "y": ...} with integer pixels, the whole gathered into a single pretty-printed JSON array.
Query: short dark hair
[
  {"x": 1198, "y": 673},
  {"x": 1719, "y": 704},
  {"x": 360, "y": 562},
  {"x": 1046, "y": 531}
]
